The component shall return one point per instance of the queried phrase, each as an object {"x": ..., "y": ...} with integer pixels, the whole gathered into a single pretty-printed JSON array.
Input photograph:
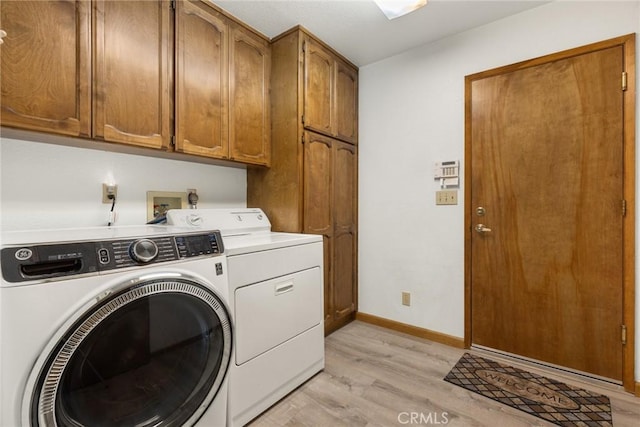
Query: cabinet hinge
[
  {"x": 304, "y": 46},
  {"x": 303, "y": 119},
  {"x": 624, "y": 207},
  {"x": 173, "y": 4},
  {"x": 173, "y": 141},
  {"x": 303, "y": 138},
  {"x": 623, "y": 329},
  {"x": 624, "y": 80}
]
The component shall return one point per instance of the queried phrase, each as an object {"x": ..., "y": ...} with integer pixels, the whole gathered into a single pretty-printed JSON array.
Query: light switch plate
[{"x": 447, "y": 197}]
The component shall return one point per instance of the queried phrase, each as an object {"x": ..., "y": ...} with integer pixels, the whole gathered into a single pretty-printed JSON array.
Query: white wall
[
  {"x": 412, "y": 115},
  {"x": 44, "y": 185}
]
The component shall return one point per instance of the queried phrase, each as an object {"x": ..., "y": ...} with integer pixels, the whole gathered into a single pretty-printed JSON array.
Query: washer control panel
[
  {"x": 203, "y": 244},
  {"x": 56, "y": 261},
  {"x": 132, "y": 252}
]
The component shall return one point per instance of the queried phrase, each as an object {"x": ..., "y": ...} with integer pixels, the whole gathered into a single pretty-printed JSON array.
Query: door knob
[{"x": 481, "y": 228}]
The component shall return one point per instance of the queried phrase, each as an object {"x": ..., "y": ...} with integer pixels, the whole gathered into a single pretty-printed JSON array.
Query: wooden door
[
  {"x": 202, "y": 91},
  {"x": 132, "y": 71},
  {"x": 346, "y": 103},
  {"x": 318, "y": 206},
  {"x": 318, "y": 87},
  {"x": 546, "y": 167},
  {"x": 249, "y": 119},
  {"x": 344, "y": 240},
  {"x": 46, "y": 78}
]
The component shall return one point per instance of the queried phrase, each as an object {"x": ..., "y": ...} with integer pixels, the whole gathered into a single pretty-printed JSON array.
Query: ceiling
[{"x": 360, "y": 31}]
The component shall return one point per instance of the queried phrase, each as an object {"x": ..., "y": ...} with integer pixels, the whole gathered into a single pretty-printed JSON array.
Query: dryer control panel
[{"x": 54, "y": 261}]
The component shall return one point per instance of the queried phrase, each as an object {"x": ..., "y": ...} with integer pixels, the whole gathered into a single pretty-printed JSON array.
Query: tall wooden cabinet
[
  {"x": 311, "y": 186},
  {"x": 105, "y": 70},
  {"x": 329, "y": 209}
]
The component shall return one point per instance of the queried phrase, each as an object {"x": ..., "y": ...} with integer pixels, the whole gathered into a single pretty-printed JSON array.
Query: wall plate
[
  {"x": 447, "y": 197},
  {"x": 159, "y": 202}
]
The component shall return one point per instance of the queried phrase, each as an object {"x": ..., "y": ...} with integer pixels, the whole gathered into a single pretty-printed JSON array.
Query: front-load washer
[
  {"x": 276, "y": 296},
  {"x": 123, "y": 326}
]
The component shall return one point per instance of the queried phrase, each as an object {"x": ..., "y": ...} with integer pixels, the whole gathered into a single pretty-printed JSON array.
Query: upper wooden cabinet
[
  {"x": 330, "y": 92},
  {"x": 319, "y": 71},
  {"x": 249, "y": 103},
  {"x": 222, "y": 86},
  {"x": 346, "y": 103},
  {"x": 202, "y": 81},
  {"x": 215, "y": 105},
  {"x": 132, "y": 74},
  {"x": 46, "y": 66}
]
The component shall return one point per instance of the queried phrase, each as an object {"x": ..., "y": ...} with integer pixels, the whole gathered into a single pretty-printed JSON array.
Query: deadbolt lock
[{"x": 480, "y": 211}]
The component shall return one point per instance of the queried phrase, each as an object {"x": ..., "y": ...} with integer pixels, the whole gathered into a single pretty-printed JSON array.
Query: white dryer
[
  {"x": 114, "y": 326},
  {"x": 276, "y": 297}
]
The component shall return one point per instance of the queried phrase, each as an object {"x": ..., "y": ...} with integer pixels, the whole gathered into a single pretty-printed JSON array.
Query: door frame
[{"x": 627, "y": 42}]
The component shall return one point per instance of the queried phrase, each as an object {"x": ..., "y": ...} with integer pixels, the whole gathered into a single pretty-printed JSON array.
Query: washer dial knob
[{"x": 143, "y": 250}]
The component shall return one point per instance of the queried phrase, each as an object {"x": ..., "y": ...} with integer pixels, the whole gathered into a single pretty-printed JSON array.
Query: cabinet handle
[{"x": 283, "y": 288}]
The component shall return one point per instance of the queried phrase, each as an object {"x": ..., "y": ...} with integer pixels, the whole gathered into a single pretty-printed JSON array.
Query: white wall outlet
[
  {"x": 447, "y": 197},
  {"x": 406, "y": 298},
  {"x": 109, "y": 190}
]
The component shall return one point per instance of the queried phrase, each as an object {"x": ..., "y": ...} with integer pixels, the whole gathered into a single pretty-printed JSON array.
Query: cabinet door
[
  {"x": 132, "y": 66},
  {"x": 318, "y": 87},
  {"x": 344, "y": 235},
  {"x": 346, "y": 103},
  {"x": 318, "y": 181},
  {"x": 201, "y": 120},
  {"x": 317, "y": 206},
  {"x": 249, "y": 119},
  {"x": 46, "y": 76}
]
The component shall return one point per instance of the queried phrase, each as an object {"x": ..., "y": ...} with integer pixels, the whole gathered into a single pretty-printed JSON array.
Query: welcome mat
[{"x": 545, "y": 398}]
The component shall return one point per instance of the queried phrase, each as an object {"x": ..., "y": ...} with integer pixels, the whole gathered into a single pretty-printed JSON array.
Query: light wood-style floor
[{"x": 377, "y": 377}]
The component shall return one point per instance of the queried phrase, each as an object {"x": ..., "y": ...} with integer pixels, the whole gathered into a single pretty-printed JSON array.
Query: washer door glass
[{"x": 152, "y": 355}]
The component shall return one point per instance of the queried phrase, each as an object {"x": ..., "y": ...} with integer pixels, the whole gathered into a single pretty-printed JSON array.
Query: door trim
[{"x": 627, "y": 42}]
